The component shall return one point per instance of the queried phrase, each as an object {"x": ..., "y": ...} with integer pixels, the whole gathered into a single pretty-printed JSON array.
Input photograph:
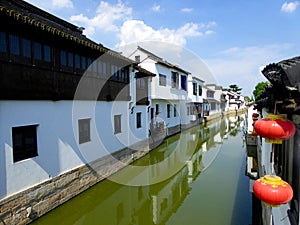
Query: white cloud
[
  {"x": 137, "y": 30},
  {"x": 186, "y": 10},
  {"x": 62, "y": 3},
  {"x": 289, "y": 7},
  {"x": 242, "y": 66},
  {"x": 174, "y": 54},
  {"x": 52, "y": 4},
  {"x": 156, "y": 8},
  {"x": 209, "y": 32},
  {"x": 108, "y": 18}
]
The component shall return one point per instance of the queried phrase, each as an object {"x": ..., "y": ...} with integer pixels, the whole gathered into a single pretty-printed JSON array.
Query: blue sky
[{"x": 235, "y": 39}]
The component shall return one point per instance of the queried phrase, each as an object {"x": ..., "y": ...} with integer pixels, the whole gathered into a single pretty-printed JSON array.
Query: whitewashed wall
[
  {"x": 57, "y": 138},
  {"x": 162, "y": 116},
  {"x": 191, "y": 96}
]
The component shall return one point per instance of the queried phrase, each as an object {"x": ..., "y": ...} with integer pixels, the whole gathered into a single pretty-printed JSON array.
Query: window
[
  {"x": 89, "y": 62},
  {"x": 157, "y": 109},
  {"x": 122, "y": 74},
  {"x": 162, "y": 80},
  {"x": 200, "y": 90},
  {"x": 47, "y": 53},
  {"x": 138, "y": 58},
  {"x": 194, "y": 89},
  {"x": 117, "y": 124},
  {"x": 26, "y": 45},
  {"x": 188, "y": 110},
  {"x": 63, "y": 58},
  {"x": 95, "y": 68},
  {"x": 84, "y": 130},
  {"x": 183, "y": 83},
  {"x": 115, "y": 72},
  {"x": 102, "y": 68},
  {"x": 210, "y": 94},
  {"x": 70, "y": 59},
  {"x": 37, "y": 50},
  {"x": 139, "y": 120},
  {"x": 125, "y": 74},
  {"x": 77, "y": 61},
  {"x": 83, "y": 62},
  {"x": 24, "y": 141},
  {"x": 40, "y": 51},
  {"x": 3, "y": 47},
  {"x": 175, "y": 110},
  {"x": 168, "y": 110},
  {"x": 175, "y": 80},
  {"x": 152, "y": 113},
  {"x": 14, "y": 42}
]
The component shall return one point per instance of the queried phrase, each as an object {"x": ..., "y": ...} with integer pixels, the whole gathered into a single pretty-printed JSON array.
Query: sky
[{"x": 234, "y": 39}]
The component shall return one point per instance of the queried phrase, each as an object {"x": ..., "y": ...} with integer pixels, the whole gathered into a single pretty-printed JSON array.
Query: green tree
[
  {"x": 248, "y": 98},
  {"x": 259, "y": 88},
  {"x": 235, "y": 88}
]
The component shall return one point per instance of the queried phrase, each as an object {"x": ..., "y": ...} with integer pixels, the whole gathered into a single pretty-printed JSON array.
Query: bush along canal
[{"x": 195, "y": 177}]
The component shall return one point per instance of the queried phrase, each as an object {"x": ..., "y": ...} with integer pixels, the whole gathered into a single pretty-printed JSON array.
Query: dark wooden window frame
[
  {"x": 24, "y": 142},
  {"x": 183, "y": 84},
  {"x": 175, "y": 79},
  {"x": 200, "y": 90},
  {"x": 84, "y": 130},
  {"x": 138, "y": 120},
  {"x": 175, "y": 110},
  {"x": 168, "y": 110},
  {"x": 162, "y": 80},
  {"x": 117, "y": 124},
  {"x": 194, "y": 88}
]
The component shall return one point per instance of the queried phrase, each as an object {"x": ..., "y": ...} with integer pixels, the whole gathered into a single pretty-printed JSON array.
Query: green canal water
[{"x": 194, "y": 178}]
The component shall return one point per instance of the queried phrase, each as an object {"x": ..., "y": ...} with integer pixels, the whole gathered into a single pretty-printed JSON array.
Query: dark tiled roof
[
  {"x": 285, "y": 72},
  {"x": 31, "y": 15},
  {"x": 292, "y": 69},
  {"x": 284, "y": 87},
  {"x": 26, "y": 13}
]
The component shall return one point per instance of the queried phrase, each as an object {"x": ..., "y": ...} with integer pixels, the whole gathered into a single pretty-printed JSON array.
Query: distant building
[
  {"x": 195, "y": 100},
  {"x": 232, "y": 101},
  {"x": 169, "y": 92},
  {"x": 212, "y": 100}
]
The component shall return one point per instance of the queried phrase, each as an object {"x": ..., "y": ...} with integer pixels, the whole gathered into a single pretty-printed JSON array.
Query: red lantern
[
  {"x": 272, "y": 190},
  {"x": 275, "y": 128}
]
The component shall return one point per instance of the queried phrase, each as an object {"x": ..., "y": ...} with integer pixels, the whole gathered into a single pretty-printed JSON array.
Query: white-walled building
[
  {"x": 72, "y": 112},
  {"x": 212, "y": 95},
  {"x": 169, "y": 91},
  {"x": 194, "y": 104},
  {"x": 234, "y": 101}
]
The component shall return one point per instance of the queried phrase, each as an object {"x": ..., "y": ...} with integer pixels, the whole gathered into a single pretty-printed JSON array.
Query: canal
[{"x": 196, "y": 177}]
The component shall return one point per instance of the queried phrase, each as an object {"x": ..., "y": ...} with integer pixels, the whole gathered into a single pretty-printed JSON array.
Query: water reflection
[{"x": 112, "y": 203}]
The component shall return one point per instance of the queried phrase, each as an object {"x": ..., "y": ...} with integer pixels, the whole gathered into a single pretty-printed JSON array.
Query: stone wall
[
  {"x": 173, "y": 130},
  {"x": 28, "y": 205}
]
